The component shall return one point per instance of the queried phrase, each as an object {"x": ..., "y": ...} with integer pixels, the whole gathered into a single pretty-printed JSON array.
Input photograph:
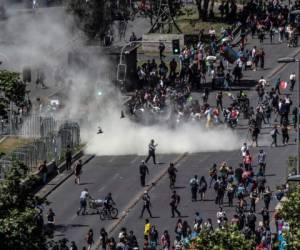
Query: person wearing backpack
[{"x": 194, "y": 184}]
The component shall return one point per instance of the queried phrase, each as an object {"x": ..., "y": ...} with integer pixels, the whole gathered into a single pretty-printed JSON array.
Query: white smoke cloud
[
  {"x": 46, "y": 39},
  {"x": 123, "y": 137}
]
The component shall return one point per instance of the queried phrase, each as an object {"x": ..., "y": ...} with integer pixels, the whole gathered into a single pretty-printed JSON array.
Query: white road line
[
  {"x": 112, "y": 159},
  {"x": 101, "y": 189},
  {"x": 135, "y": 159}
]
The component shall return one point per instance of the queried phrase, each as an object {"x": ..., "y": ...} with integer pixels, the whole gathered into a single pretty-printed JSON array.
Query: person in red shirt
[{"x": 247, "y": 161}]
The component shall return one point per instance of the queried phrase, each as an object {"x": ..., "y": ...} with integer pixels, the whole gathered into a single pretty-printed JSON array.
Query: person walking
[
  {"x": 213, "y": 173},
  {"x": 274, "y": 132},
  {"x": 147, "y": 228},
  {"x": 292, "y": 81},
  {"x": 219, "y": 100},
  {"x": 68, "y": 156},
  {"x": 51, "y": 221},
  {"x": 143, "y": 172},
  {"x": 194, "y": 184},
  {"x": 44, "y": 171},
  {"x": 146, "y": 204},
  {"x": 172, "y": 175},
  {"x": 89, "y": 238},
  {"x": 202, "y": 187},
  {"x": 73, "y": 246},
  {"x": 165, "y": 240},
  {"x": 175, "y": 200},
  {"x": 285, "y": 134},
  {"x": 151, "y": 151},
  {"x": 84, "y": 195},
  {"x": 77, "y": 171},
  {"x": 262, "y": 161},
  {"x": 103, "y": 238}
]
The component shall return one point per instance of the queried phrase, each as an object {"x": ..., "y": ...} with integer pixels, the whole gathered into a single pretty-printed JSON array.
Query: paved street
[{"x": 119, "y": 175}]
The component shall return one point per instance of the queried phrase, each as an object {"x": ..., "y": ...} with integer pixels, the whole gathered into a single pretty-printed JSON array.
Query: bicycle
[{"x": 109, "y": 213}]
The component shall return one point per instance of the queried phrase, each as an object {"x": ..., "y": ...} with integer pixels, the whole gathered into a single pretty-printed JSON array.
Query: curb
[
  {"x": 64, "y": 176},
  {"x": 138, "y": 197}
]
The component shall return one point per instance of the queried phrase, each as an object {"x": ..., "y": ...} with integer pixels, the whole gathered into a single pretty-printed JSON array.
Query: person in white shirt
[
  {"x": 84, "y": 195},
  {"x": 262, "y": 82},
  {"x": 292, "y": 81},
  {"x": 244, "y": 148}
]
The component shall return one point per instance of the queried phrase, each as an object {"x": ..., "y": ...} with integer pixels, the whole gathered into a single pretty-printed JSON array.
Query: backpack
[{"x": 216, "y": 186}]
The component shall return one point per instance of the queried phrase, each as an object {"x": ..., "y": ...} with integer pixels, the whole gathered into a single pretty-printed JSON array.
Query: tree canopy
[
  {"x": 13, "y": 88},
  {"x": 228, "y": 238},
  {"x": 290, "y": 212},
  {"x": 19, "y": 219}
]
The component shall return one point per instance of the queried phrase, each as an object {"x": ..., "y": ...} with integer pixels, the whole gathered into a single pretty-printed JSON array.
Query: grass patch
[
  {"x": 11, "y": 143},
  {"x": 189, "y": 23}
]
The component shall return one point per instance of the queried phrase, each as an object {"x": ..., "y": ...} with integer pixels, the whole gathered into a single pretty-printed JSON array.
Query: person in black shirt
[
  {"x": 175, "y": 200},
  {"x": 172, "y": 175},
  {"x": 44, "y": 171},
  {"x": 103, "y": 238},
  {"x": 143, "y": 172},
  {"x": 68, "y": 156}
]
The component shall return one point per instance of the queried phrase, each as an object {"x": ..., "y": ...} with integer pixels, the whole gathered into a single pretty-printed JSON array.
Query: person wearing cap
[
  {"x": 146, "y": 204},
  {"x": 151, "y": 151},
  {"x": 143, "y": 172}
]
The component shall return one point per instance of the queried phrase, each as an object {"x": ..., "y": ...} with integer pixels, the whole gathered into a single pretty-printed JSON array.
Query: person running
[
  {"x": 146, "y": 204},
  {"x": 213, "y": 173},
  {"x": 77, "y": 171},
  {"x": 175, "y": 200},
  {"x": 151, "y": 151}
]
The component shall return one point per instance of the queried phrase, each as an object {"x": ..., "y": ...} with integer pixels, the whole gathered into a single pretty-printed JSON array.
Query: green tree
[
  {"x": 19, "y": 227},
  {"x": 290, "y": 212},
  {"x": 13, "y": 87},
  {"x": 228, "y": 238},
  {"x": 96, "y": 16}
]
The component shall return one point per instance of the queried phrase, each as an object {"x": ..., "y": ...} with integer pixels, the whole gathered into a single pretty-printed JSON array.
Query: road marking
[
  {"x": 137, "y": 198},
  {"x": 101, "y": 189},
  {"x": 116, "y": 176},
  {"x": 135, "y": 159},
  {"x": 112, "y": 159}
]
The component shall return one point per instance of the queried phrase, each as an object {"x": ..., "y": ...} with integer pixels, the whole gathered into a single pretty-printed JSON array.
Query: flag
[{"x": 283, "y": 84}]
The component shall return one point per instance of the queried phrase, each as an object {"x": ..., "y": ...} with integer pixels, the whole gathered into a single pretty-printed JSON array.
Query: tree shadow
[{"x": 64, "y": 227}]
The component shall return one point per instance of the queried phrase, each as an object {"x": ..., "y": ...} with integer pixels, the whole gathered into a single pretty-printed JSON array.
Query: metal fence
[{"x": 50, "y": 139}]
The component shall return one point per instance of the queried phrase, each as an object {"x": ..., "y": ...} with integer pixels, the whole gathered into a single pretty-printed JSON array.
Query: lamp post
[{"x": 293, "y": 60}]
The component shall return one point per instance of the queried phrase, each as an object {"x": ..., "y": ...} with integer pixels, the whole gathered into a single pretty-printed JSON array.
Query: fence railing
[{"x": 50, "y": 139}]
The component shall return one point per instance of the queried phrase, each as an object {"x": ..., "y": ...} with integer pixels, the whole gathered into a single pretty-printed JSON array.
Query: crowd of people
[{"x": 163, "y": 86}]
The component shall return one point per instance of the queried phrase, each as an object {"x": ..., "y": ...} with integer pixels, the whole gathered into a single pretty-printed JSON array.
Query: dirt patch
[{"x": 11, "y": 143}]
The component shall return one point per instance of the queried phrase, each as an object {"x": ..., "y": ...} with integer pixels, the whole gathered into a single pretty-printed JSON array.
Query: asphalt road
[{"x": 119, "y": 175}]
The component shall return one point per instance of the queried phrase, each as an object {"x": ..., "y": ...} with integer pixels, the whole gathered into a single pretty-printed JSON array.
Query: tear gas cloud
[{"x": 46, "y": 40}]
